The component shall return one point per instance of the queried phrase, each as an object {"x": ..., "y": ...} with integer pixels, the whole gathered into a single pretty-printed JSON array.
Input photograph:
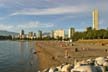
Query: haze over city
[{"x": 47, "y": 15}]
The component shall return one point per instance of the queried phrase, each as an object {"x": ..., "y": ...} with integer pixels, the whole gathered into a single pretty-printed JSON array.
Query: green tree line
[{"x": 91, "y": 34}]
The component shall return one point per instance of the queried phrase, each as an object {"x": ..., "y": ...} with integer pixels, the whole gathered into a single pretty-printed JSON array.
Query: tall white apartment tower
[
  {"x": 95, "y": 15},
  {"x": 71, "y": 32}
]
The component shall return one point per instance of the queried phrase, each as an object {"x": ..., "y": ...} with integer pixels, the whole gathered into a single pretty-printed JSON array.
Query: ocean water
[{"x": 17, "y": 56}]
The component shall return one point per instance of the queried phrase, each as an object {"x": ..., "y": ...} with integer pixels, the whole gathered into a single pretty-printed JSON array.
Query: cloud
[
  {"x": 2, "y": 5},
  {"x": 52, "y": 11},
  {"x": 36, "y": 24},
  {"x": 66, "y": 17},
  {"x": 2, "y": 18},
  {"x": 5, "y": 27},
  {"x": 29, "y": 25},
  {"x": 20, "y": 8}
]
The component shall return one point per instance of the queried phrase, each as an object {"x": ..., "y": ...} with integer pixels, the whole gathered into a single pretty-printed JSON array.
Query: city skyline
[{"x": 47, "y": 15}]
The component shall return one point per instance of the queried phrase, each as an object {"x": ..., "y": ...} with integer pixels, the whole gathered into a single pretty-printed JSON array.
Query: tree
[{"x": 89, "y": 28}]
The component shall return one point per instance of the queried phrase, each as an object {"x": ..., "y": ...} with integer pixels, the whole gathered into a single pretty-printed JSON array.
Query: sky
[{"x": 47, "y": 15}]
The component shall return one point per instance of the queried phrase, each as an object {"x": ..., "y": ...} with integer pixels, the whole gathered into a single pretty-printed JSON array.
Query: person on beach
[{"x": 66, "y": 53}]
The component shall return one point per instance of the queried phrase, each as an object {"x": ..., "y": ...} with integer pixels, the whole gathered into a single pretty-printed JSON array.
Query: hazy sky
[{"x": 46, "y": 15}]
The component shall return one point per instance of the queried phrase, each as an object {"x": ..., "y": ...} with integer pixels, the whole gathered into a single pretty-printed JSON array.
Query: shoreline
[{"x": 46, "y": 58}]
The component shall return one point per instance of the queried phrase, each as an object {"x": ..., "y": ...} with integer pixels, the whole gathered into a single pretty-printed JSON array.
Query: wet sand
[{"x": 53, "y": 53}]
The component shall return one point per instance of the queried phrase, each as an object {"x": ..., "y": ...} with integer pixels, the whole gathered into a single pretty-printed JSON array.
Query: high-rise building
[
  {"x": 30, "y": 34},
  {"x": 22, "y": 35},
  {"x": 95, "y": 15},
  {"x": 22, "y": 32},
  {"x": 34, "y": 35},
  {"x": 52, "y": 34},
  {"x": 59, "y": 33},
  {"x": 71, "y": 32},
  {"x": 39, "y": 34}
]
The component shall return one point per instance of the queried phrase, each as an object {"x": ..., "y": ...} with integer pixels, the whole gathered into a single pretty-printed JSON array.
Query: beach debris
[
  {"x": 53, "y": 69},
  {"x": 66, "y": 68},
  {"x": 106, "y": 50},
  {"x": 102, "y": 44},
  {"x": 99, "y": 61},
  {"x": 84, "y": 68},
  {"x": 99, "y": 64},
  {"x": 34, "y": 51},
  {"x": 31, "y": 62},
  {"x": 76, "y": 49},
  {"x": 90, "y": 61},
  {"x": 46, "y": 70},
  {"x": 53, "y": 58}
]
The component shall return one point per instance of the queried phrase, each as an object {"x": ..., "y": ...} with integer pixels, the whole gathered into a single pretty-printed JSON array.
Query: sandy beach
[{"x": 54, "y": 53}]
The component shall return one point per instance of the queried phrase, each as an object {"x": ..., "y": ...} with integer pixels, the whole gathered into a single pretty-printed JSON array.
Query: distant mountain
[{"x": 7, "y": 33}]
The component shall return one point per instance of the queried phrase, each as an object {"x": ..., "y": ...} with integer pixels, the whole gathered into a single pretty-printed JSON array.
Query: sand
[{"x": 54, "y": 53}]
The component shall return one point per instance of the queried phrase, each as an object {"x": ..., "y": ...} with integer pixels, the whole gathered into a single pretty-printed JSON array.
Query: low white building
[{"x": 59, "y": 33}]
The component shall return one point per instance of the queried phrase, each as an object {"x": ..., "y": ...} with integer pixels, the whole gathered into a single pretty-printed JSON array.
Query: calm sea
[{"x": 17, "y": 56}]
